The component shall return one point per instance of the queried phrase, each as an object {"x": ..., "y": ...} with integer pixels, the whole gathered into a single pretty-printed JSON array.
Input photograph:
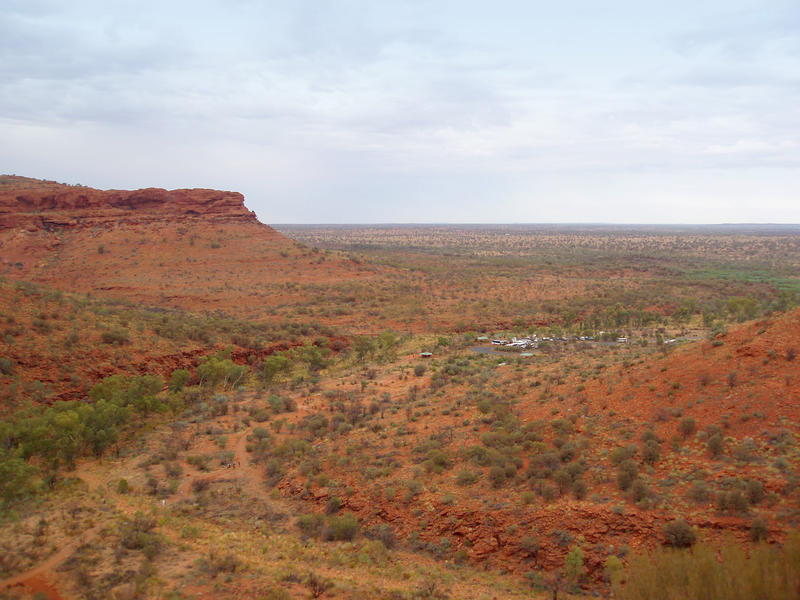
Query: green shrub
[
  {"x": 310, "y": 525},
  {"x": 220, "y": 369},
  {"x": 436, "y": 461},
  {"x": 699, "y": 492},
  {"x": 118, "y": 337},
  {"x": 687, "y": 427},
  {"x": 573, "y": 565},
  {"x": 759, "y": 530},
  {"x": 679, "y": 534},
  {"x": 137, "y": 534},
  {"x": 579, "y": 489},
  {"x": 618, "y": 455},
  {"x": 340, "y": 528},
  {"x": 178, "y": 379},
  {"x": 497, "y": 476},
  {"x": 639, "y": 490},
  {"x": 626, "y": 474},
  {"x": 383, "y": 533},
  {"x": 715, "y": 445},
  {"x": 755, "y": 491},
  {"x": 6, "y": 366},
  {"x": 466, "y": 477},
  {"x": 651, "y": 452}
]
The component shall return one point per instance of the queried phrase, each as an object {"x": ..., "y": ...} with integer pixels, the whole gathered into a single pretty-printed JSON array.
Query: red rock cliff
[{"x": 32, "y": 205}]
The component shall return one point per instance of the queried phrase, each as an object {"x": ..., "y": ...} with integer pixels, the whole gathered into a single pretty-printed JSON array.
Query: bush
[
  {"x": 715, "y": 445},
  {"x": 466, "y": 477},
  {"x": 261, "y": 433},
  {"x": 341, "y": 528},
  {"x": 6, "y": 366},
  {"x": 497, "y": 476},
  {"x": 115, "y": 336},
  {"x": 755, "y": 491},
  {"x": 178, "y": 379},
  {"x": 699, "y": 492},
  {"x": 436, "y": 461},
  {"x": 310, "y": 525},
  {"x": 651, "y": 452},
  {"x": 200, "y": 485},
  {"x": 573, "y": 565},
  {"x": 679, "y": 534},
  {"x": 613, "y": 570},
  {"x": 333, "y": 505},
  {"x": 579, "y": 489},
  {"x": 137, "y": 535},
  {"x": 419, "y": 370},
  {"x": 639, "y": 490},
  {"x": 626, "y": 474},
  {"x": 621, "y": 454},
  {"x": 123, "y": 487},
  {"x": 759, "y": 530},
  {"x": 219, "y": 563},
  {"x": 384, "y": 534},
  {"x": 732, "y": 501},
  {"x": 687, "y": 427},
  {"x": 318, "y": 585}
]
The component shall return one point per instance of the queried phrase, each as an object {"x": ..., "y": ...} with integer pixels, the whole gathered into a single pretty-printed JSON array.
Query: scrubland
[{"x": 295, "y": 444}]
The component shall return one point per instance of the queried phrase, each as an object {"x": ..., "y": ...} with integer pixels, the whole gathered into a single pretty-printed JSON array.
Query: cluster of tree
[
  {"x": 219, "y": 369},
  {"x": 383, "y": 347},
  {"x": 37, "y": 440},
  {"x": 314, "y": 357}
]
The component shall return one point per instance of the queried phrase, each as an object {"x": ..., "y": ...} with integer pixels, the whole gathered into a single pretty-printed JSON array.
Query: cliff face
[{"x": 32, "y": 205}]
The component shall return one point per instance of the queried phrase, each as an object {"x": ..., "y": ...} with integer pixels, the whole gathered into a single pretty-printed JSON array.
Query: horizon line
[{"x": 533, "y": 223}]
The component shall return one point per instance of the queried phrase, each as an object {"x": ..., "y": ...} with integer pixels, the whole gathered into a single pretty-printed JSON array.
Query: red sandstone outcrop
[{"x": 32, "y": 205}]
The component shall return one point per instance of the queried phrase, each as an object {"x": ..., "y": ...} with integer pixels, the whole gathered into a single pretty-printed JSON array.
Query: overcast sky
[{"x": 415, "y": 111}]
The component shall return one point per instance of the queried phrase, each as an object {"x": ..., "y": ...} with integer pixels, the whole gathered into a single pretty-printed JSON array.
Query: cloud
[{"x": 380, "y": 108}]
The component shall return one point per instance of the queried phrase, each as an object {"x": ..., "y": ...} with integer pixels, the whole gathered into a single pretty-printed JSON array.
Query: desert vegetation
[{"x": 357, "y": 435}]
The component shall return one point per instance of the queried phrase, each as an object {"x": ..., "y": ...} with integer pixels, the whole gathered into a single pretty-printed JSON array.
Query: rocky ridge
[{"x": 33, "y": 205}]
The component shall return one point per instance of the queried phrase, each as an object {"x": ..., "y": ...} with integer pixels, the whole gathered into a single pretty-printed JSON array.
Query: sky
[{"x": 415, "y": 111}]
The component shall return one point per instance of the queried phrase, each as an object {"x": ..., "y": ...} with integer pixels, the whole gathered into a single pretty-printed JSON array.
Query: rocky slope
[{"x": 199, "y": 250}]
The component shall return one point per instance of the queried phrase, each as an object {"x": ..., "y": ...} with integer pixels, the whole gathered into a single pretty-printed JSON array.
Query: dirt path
[
  {"x": 35, "y": 579},
  {"x": 40, "y": 578},
  {"x": 243, "y": 469}
]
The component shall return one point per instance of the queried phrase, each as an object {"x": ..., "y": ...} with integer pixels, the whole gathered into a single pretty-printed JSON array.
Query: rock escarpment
[
  {"x": 200, "y": 250},
  {"x": 32, "y": 205}
]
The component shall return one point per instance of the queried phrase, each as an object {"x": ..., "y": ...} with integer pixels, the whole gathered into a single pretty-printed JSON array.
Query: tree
[
  {"x": 219, "y": 368},
  {"x": 16, "y": 476},
  {"x": 274, "y": 365},
  {"x": 364, "y": 346},
  {"x": 573, "y": 565},
  {"x": 313, "y": 356},
  {"x": 388, "y": 342},
  {"x": 179, "y": 378}
]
